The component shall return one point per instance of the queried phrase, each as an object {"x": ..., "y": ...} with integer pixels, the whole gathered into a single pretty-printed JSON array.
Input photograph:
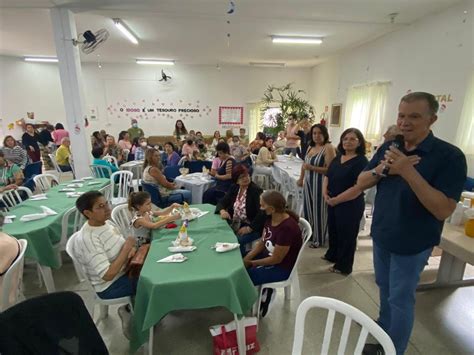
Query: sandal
[
  {"x": 337, "y": 271},
  {"x": 314, "y": 245}
]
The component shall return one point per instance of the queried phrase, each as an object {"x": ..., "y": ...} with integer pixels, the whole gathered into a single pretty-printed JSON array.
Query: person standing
[
  {"x": 30, "y": 141},
  {"x": 135, "y": 131},
  {"x": 46, "y": 145},
  {"x": 180, "y": 131},
  {"x": 319, "y": 156},
  {"x": 292, "y": 139},
  {"x": 346, "y": 204},
  {"x": 59, "y": 133},
  {"x": 305, "y": 136},
  {"x": 418, "y": 187}
]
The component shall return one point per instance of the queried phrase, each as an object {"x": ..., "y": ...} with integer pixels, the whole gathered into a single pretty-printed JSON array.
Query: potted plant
[{"x": 288, "y": 101}]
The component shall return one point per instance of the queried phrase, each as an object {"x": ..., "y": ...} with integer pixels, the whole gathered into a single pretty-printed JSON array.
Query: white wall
[
  {"x": 433, "y": 55},
  {"x": 36, "y": 87}
]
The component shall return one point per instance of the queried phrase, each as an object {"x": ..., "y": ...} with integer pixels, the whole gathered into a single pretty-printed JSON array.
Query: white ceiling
[{"x": 195, "y": 31}]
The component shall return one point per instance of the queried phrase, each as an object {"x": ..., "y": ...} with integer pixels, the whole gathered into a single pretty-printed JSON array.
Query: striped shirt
[
  {"x": 95, "y": 248},
  {"x": 17, "y": 155}
]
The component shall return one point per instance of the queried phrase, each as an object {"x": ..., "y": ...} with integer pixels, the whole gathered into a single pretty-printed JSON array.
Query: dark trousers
[
  {"x": 343, "y": 227},
  {"x": 212, "y": 195}
]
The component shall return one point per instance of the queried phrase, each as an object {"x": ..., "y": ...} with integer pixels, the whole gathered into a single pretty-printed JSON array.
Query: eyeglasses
[{"x": 103, "y": 206}]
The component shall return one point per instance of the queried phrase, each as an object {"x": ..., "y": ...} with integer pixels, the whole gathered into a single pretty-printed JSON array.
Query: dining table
[
  {"x": 205, "y": 279},
  {"x": 197, "y": 183},
  {"x": 44, "y": 233}
]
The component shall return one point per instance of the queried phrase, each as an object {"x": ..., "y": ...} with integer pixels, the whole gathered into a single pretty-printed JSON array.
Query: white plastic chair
[
  {"x": 111, "y": 159},
  {"x": 292, "y": 192},
  {"x": 256, "y": 177},
  {"x": 137, "y": 172},
  {"x": 14, "y": 273},
  {"x": 11, "y": 198},
  {"x": 293, "y": 281},
  {"x": 121, "y": 182},
  {"x": 351, "y": 314},
  {"x": 57, "y": 168},
  {"x": 44, "y": 182},
  {"x": 122, "y": 217},
  {"x": 103, "y": 304},
  {"x": 100, "y": 171},
  {"x": 72, "y": 215}
]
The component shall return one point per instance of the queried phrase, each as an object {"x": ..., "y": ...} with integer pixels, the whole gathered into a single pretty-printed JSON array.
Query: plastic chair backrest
[
  {"x": 197, "y": 165},
  {"x": 124, "y": 181},
  {"x": 71, "y": 215},
  {"x": 122, "y": 217},
  {"x": 45, "y": 181},
  {"x": 14, "y": 273},
  {"x": 154, "y": 192},
  {"x": 351, "y": 314},
  {"x": 111, "y": 159},
  {"x": 253, "y": 157},
  {"x": 11, "y": 198},
  {"x": 306, "y": 232},
  {"x": 100, "y": 171},
  {"x": 55, "y": 163},
  {"x": 171, "y": 172}
]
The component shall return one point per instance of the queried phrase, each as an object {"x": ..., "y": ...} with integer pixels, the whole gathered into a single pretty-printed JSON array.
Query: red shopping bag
[{"x": 224, "y": 337}]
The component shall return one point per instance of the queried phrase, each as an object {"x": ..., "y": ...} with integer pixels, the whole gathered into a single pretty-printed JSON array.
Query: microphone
[{"x": 399, "y": 143}]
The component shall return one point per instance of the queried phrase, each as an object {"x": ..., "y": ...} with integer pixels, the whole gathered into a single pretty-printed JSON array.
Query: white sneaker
[{"x": 126, "y": 318}]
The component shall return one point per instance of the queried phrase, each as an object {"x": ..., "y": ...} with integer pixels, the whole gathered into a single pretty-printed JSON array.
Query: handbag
[
  {"x": 136, "y": 264},
  {"x": 224, "y": 337}
]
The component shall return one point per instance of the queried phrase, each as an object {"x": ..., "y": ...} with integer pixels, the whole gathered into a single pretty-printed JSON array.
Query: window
[{"x": 365, "y": 108}]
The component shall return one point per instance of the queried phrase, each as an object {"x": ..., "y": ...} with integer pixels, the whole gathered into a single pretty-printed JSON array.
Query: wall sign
[{"x": 231, "y": 115}]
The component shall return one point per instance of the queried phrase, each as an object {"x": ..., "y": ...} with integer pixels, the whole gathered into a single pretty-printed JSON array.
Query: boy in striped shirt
[{"x": 104, "y": 252}]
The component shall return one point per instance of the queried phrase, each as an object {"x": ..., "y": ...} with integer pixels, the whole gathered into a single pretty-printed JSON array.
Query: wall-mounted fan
[{"x": 91, "y": 40}]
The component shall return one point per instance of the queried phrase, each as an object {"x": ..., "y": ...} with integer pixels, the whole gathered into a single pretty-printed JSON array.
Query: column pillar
[{"x": 70, "y": 72}]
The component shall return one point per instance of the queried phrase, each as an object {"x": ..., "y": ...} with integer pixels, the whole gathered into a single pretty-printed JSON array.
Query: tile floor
[{"x": 444, "y": 318}]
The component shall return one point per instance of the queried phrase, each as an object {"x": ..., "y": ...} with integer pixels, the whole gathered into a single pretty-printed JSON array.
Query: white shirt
[{"x": 95, "y": 248}]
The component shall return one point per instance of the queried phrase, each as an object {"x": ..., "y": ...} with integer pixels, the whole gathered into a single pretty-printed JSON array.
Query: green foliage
[{"x": 289, "y": 101}]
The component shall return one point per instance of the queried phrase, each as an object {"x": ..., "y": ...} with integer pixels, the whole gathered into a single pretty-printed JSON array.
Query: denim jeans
[
  {"x": 186, "y": 194},
  {"x": 269, "y": 273},
  {"x": 397, "y": 277},
  {"x": 122, "y": 287}
]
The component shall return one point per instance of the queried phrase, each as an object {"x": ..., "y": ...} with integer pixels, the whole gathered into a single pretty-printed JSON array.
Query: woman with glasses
[
  {"x": 345, "y": 203},
  {"x": 241, "y": 207}
]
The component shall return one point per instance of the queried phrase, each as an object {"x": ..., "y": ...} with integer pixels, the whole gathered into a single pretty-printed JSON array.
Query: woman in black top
[
  {"x": 46, "y": 142},
  {"x": 345, "y": 204},
  {"x": 30, "y": 140},
  {"x": 241, "y": 207}
]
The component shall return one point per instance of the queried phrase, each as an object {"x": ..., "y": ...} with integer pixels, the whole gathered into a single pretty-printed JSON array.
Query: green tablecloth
[
  {"x": 43, "y": 233},
  {"x": 207, "y": 279}
]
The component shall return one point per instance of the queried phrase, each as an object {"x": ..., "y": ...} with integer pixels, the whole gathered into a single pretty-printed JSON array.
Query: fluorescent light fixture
[
  {"x": 125, "y": 30},
  {"x": 297, "y": 39},
  {"x": 155, "y": 61},
  {"x": 41, "y": 59},
  {"x": 267, "y": 64}
]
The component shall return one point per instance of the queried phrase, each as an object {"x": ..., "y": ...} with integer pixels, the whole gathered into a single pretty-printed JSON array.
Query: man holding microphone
[{"x": 418, "y": 187}]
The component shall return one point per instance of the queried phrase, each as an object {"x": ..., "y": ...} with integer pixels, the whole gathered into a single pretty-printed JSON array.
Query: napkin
[
  {"x": 223, "y": 247},
  {"x": 87, "y": 178},
  {"x": 38, "y": 197},
  {"x": 34, "y": 216},
  {"x": 93, "y": 183},
  {"x": 180, "y": 249},
  {"x": 74, "y": 194},
  {"x": 175, "y": 258},
  {"x": 75, "y": 185},
  {"x": 9, "y": 219},
  {"x": 67, "y": 189}
]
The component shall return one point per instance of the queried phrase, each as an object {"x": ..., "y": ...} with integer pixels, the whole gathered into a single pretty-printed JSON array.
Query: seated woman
[
  {"x": 104, "y": 252},
  {"x": 273, "y": 257},
  {"x": 172, "y": 157},
  {"x": 265, "y": 159},
  {"x": 140, "y": 148},
  {"x": 14, "y": 153},
  {"x": 152, "y": 174},
  {"x": 111, "y": 148},
  {"x": 257, "y": 143},
  {"x": 241, "y": 207},
  {"x": 63, "y": 155},
  {"x": 189, "y": 148},
  {"x": 139, "y": 203},
  {"x": 223, "y": 175},
  {"x": 11, "y": 175},
  {"x": 9, "y": 252}
]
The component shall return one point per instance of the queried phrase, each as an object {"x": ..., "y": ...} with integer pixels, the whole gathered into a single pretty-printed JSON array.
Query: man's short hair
[
  {"x": 433, "y": 104},
  {"x": 65, "y": 139},
  {"x": 86, "y": 201},
  {"x": 97, "y": 152}
]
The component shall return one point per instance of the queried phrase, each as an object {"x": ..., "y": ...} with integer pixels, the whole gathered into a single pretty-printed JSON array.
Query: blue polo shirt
[{"x": 401, "y": 224}]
